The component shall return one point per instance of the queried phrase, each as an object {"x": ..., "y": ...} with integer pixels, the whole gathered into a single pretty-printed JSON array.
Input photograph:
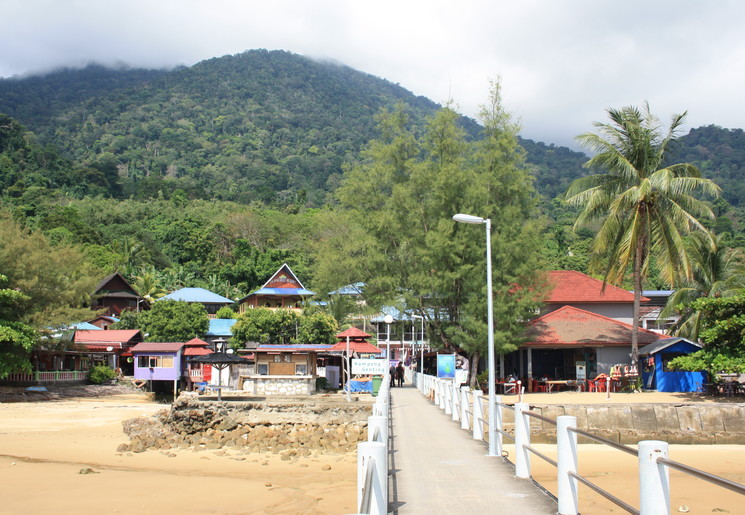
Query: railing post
[
  {"x": 464, "y": 424},
  {"x": 478, "y": 416},
  {"x": 442, "y": 392},
  {"x": 522, "y": 441},
  {"x": 380, "y": 425},
  {"x": 447, "y": 394},
  {"x": 654, "y": 479},
  {"x": 499, "y": 422},
  {"x": 436, "y": 386},
  {"x": 566, "y": 448},
  {"x": 455, "y": 405},
  {"x": 378, "y": 454}
]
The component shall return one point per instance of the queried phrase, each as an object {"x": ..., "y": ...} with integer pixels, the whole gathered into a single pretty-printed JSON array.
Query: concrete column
[
  {"x": 654, "y": 479},
  {"x": 566, "y": 446},
  {"x": 522, "y": 440}
]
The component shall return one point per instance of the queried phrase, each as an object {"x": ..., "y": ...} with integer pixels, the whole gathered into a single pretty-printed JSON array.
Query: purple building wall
[{"x": 158, "y": 373}]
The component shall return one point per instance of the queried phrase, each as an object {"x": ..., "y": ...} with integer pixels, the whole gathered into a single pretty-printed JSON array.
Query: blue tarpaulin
[{"x": 360, "y": 386}]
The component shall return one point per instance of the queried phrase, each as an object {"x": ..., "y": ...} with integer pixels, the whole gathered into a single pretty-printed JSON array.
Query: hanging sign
[{"x": 446, "y": 366}]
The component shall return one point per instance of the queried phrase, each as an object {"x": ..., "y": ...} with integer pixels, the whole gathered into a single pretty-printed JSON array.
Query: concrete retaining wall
[{"x": 631, "y": 423}]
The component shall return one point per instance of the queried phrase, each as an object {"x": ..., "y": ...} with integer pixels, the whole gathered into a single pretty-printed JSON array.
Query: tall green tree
[
  {"x": 399, "y": 202},
  {"x": 716, "y": 271},
  {"x": 169, "y": 321},
  {"x": 16, "y": 338},
  {"x": 645, "y": 206}
]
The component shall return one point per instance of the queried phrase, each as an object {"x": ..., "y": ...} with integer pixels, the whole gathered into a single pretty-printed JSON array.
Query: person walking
[{"x": 400, "y": 374}]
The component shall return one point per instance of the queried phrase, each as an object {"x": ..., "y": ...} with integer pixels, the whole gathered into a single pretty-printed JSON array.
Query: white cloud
[{"x": 562, "y": 63}]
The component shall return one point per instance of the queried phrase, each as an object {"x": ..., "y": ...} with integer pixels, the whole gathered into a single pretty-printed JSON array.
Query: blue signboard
[{"x": 446, "y": 366}]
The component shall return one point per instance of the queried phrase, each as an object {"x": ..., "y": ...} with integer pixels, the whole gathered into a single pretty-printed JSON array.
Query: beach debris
[
  {"x": 268, "y": 485},
  {"x": 326, "y": 467},
  {"x": 684, "y": 508},
  {"x": 88, "y": 470}
]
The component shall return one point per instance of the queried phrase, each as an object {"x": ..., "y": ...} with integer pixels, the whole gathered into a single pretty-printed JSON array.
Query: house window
[
  {"x": 155, "y": 361},
  {"x": 301, "y": 369},
  {"x": 288, "y": 358},
  {"x": 277, "y": 358},
  {"x": 263, "y": 369}
]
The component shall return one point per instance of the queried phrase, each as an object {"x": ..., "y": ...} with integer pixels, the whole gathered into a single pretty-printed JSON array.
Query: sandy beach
[{"x": 45, "y": 445}]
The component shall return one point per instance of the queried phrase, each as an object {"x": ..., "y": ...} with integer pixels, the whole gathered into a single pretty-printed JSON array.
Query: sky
[{"x": 562, "y": 63}]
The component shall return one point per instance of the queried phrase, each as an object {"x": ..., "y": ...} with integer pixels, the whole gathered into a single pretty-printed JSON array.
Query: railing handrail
[
  {"x": 369, "y": 473},
  {"x": 700, "y": 474},
  {"x": 448, "y": 401}
]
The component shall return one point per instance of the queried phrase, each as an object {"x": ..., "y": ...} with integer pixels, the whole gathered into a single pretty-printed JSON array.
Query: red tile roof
[
  {"x": 196, "y": 342},
  {"x": 355, "y": 346},
  {"x": 196, "y": 351},
  {"x": 570, "y": 287},
  {"x": 107, "y": 336},
  {"x": 573, "y": 326},
  {"x": 353, "y": 332},
  {"x": 157, "y": 347}
]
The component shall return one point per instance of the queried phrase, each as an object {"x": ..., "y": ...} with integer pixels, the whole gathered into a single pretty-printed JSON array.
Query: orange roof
[
  {"x": 355, "y": 346},
  {"x": 196, "y": 342},
  {"x": 106, "y": 336},
  {"x": 571, "y": 287},
  {"x": 573, "y": 326},
  {"x": 353, "y": 332},
  {"x": 196, "y": 351}
]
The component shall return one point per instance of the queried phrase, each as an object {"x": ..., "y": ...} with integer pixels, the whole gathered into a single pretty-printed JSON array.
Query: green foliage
[
  {"x": 56, "y": 279},
  {"x": 283, "y": 327},
  {"x": 173, "y": 321},
  {"x": 16, "y": 338},
  {"x": 722, "y": 322},
  {"x": 317, "y": 328},
  {"x": 225, "y": 312},
  {"x": 644, "y": 206},
  {"x": 396, "y": 234},
  {"x": 101, "y": 374}
]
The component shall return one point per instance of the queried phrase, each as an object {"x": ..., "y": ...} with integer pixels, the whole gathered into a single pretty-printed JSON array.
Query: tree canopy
[
  {"x": 645, "y": 207},
  {"x": 168, "y": 321}
]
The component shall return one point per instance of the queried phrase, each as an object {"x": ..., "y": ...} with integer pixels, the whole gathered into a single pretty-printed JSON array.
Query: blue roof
[
  {"x": 197, "y": 295},
  {"x": 284, "y": 291},
  {"x": 221, "y": 327},
  {"x": 86, "y": 326}
]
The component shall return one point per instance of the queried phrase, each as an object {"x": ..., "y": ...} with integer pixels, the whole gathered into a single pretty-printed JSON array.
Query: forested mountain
[{"x": 268, "y": 126}]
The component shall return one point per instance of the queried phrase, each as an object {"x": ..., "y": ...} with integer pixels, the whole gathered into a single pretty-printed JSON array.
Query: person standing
[
  {"x": 400, "y": 374},
  {"x": 392, "y": 373}
]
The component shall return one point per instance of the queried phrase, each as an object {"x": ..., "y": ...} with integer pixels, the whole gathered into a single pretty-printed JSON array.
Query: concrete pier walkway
[{"x": 437, "y": 467}]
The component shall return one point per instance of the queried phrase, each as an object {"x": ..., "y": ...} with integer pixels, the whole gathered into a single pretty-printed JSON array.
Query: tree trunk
[
  {"x": 473, "y": 371},
  {"x": 638, "y": 258}
]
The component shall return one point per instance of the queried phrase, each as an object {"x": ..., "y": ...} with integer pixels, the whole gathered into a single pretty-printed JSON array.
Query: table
[
  {"x": 551, "y": 384},
  {"x": 566, "y": 383}
]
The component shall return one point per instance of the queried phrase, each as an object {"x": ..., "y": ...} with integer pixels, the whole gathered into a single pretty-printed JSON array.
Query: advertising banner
[{"x": 446, "y": 366}]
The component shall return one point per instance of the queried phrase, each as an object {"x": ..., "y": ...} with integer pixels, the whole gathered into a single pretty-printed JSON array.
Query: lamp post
[
  {"x": 388, "y": 319},
  {"x": 470, "y": 219}
]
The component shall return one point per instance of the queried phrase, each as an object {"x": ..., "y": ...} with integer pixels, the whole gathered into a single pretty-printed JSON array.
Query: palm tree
[
  {"x": 645, "y": 206},
  {"x": 717, "y": 271}
]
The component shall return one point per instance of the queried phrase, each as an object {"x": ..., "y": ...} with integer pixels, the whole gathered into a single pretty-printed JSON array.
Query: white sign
[{"x": 369, "y": 367}]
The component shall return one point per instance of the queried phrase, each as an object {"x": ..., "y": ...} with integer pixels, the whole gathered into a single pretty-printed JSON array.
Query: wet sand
[{"x": 45, "y": 445}]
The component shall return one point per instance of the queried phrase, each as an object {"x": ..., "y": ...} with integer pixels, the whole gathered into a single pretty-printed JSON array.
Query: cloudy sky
[{"x": 562, "y": 62}]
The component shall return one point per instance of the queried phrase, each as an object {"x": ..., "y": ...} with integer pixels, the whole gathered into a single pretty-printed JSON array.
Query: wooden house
[
  {"x": 283, "y": 290},
  {"x": 111, "y": 347},
  {"x": 195, "y": 372},
  {"x": 115, "y": 294}
]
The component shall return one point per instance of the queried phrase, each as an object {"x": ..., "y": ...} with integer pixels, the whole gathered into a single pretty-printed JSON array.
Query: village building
[
  {"x": 284, "y": 370},
  {"x": 212, "y": 302},
  {"x": 114, "y": 294},
  {"x": 283, "y": 290},
  {"x": 111, "y": 347},
  {"x": 584, "y": 330}
]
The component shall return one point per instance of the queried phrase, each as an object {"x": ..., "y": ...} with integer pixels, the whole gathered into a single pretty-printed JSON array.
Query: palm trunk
[{"x": 637, "y": 302}]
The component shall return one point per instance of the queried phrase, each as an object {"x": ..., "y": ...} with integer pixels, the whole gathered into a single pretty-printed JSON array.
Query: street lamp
[
  {"x": 470, "y": 219},
  {"x": 388, "y": 319}
]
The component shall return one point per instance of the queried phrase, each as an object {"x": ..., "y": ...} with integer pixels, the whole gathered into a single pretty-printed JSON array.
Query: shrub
[{"x": 101, "y": 374}]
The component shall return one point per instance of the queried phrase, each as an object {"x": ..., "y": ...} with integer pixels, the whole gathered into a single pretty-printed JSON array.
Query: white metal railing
[
  {"x": 48, "y": 376},
  {"x": 372, "y": 456},
  {"x": 652, "y": 455}
]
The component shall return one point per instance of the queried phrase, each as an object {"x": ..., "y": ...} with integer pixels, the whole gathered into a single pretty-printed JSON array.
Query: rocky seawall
[
  {"x": 290, "y": 428},
  {"x": 632, "y": 423}
]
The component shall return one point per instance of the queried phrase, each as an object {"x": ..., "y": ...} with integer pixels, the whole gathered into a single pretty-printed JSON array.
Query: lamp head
[{"x": 468, "y": 219}]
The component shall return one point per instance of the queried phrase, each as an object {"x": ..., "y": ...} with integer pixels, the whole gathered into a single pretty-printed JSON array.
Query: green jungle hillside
[{"x": 216, "y": 174}]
